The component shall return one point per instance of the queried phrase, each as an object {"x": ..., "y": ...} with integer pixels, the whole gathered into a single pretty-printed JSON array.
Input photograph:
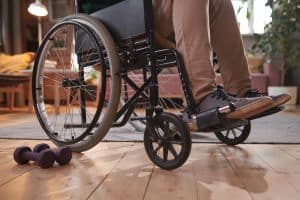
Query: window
[{"x": 252, "y": 16}]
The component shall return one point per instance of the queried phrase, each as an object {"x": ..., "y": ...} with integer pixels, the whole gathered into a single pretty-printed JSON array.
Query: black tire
[
  {"x": 244, "y": 132},
  {"x": 168, "y": 130},
  {"x": 85, "y": 120}
]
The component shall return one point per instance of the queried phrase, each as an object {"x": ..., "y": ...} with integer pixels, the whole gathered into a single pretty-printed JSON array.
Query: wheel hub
[{"x": 67, "y": 83}]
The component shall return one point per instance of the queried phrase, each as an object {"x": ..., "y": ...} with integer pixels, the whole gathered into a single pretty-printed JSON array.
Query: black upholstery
[
  {"x": 90, "y": 6},
  {"x": 124, "y": 20}
]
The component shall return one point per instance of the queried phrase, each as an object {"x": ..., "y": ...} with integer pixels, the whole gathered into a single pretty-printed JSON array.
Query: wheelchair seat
[
  {"x": 124, "y": 20},
  {"x": 129, "y": 30}
]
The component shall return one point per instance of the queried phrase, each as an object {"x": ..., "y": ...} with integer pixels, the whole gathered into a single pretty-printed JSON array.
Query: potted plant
[{"x": 279, "y": 42}]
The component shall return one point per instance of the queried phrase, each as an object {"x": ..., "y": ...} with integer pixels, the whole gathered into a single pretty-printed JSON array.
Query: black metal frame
[
  {"x": 134, "y": 47},
  {"x": 142, "y": 47}
]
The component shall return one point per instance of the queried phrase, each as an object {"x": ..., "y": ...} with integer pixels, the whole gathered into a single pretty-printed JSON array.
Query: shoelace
[
  {"x": 221, "y": 94},
  {"x": 254, "y": 93}
]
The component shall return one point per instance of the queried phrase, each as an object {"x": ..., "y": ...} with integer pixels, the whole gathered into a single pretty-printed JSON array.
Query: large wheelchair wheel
[
  {"x": 76, "y": 70},
  {"x": 234, "y": 136},
  {"x": 168, "y": 141}
]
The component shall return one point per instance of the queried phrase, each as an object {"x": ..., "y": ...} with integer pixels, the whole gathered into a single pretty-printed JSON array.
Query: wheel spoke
[
  {"x": 227, "y": 133},
  {"x": 166, "y": 128},
  {"x": 234, "y": 133},
  {"x": 153, "y": 139},
  {"x": 240, "y": 129},
  {"x": 173, "y": 151},
  {"x": 165, "y": 151},
  {"x": 158, "y": 147}
]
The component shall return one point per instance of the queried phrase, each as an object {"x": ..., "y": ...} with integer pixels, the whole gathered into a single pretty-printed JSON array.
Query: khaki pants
[{"x": 198, "y": 26}]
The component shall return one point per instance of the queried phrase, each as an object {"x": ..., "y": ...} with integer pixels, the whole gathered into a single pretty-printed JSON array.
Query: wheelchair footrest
[
  {"x": 213, "y": 120},
  {"x": 268, "y": 112},
  {"x": 206, "y": 119}
]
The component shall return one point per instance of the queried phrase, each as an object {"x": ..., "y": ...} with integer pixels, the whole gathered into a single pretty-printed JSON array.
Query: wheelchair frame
[
  {"x": 142, "y": 46},
  {"x": 157, "y": 59},
  {"x": 134, "y": 46}
]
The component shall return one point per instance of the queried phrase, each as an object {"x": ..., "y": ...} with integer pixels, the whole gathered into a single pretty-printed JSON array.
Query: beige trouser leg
[
  {"x": 199, "y": 25},
  {"x": 227, "y": 43},
  {"x": 192, "y": 35}
]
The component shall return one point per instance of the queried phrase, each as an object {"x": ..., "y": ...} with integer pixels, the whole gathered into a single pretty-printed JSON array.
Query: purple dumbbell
[
  {"x": 23, "y": 155},
  {"x": 63, "y": 155}
]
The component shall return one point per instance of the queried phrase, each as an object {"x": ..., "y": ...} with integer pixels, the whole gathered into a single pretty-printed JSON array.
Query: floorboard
[
  {"x": 129, "y": 179},
  {"x": 114, "y": 170},
  {"x": 74, "y": 181},
  {"x": 215, "y": 178},
  {"x": 260, "y": 179}
]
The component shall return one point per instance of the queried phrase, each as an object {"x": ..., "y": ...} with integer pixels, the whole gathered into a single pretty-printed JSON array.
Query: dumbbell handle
[
  {"x": 31, "y": 155},
  {"x": 63, "y": 155}
]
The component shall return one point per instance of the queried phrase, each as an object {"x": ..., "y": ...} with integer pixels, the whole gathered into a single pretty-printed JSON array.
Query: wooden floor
[{"x": 123, "y": 171}]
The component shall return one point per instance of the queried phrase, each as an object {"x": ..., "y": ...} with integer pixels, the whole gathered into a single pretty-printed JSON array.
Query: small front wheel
[
  {"x": 234, "y": 136},
  {"x": 167, "y": 141}
]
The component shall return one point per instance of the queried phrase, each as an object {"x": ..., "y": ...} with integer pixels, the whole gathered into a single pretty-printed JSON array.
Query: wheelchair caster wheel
[
  {"x": 234, "y": 136},
  {"x": 168, "y": 141}
]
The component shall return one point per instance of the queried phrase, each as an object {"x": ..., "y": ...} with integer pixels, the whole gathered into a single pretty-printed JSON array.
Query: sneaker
[
  {"x": 245, "y": 107},
  {"x": 278, "y": 100}
]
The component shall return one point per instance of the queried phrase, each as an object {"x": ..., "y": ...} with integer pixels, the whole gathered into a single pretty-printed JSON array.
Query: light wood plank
[
  {"x": 74, "y": 181},
  {"x": 129, "y": 178},
  {"x": 123, "y": 171},
  {"x": 108, "y": 145},
  {"x": 259, "y": 178},
  {"x": 291, "y": 149},
  {"x": 279, "y": 160},
  {"x": 215, "y": 179},
  {"x": 284, "y": 160},
  {"x": 175, "y": 184},
  {"x": 9, "y": 170}
]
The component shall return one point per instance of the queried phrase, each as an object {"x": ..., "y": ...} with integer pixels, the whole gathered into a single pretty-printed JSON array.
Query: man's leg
[
  {"x": 227, "y": 43},
  {"x": 192, "y": 35},
  {"x": 164, "y": 32}
]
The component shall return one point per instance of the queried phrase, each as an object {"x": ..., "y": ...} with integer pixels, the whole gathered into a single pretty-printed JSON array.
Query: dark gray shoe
[
  {"x": 278, "y": 100},
  {"x": 245, "y": 107}
]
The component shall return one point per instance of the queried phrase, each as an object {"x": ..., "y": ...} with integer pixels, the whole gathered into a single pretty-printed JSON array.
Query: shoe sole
[
  {"x": 282, "y": 99},
  {"x": 268, "y": 112},
  {"x": 276, "y": 103},
  {"x": 252, "y": 109}
]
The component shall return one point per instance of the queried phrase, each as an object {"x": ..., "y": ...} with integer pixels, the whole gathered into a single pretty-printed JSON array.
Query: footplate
[
  {"x": 268, "y": 112},
  {"x": 213, "y": 119}
]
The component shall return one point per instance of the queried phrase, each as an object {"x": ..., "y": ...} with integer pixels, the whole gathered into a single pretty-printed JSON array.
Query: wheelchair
[{"x": 85, "y": 59}]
